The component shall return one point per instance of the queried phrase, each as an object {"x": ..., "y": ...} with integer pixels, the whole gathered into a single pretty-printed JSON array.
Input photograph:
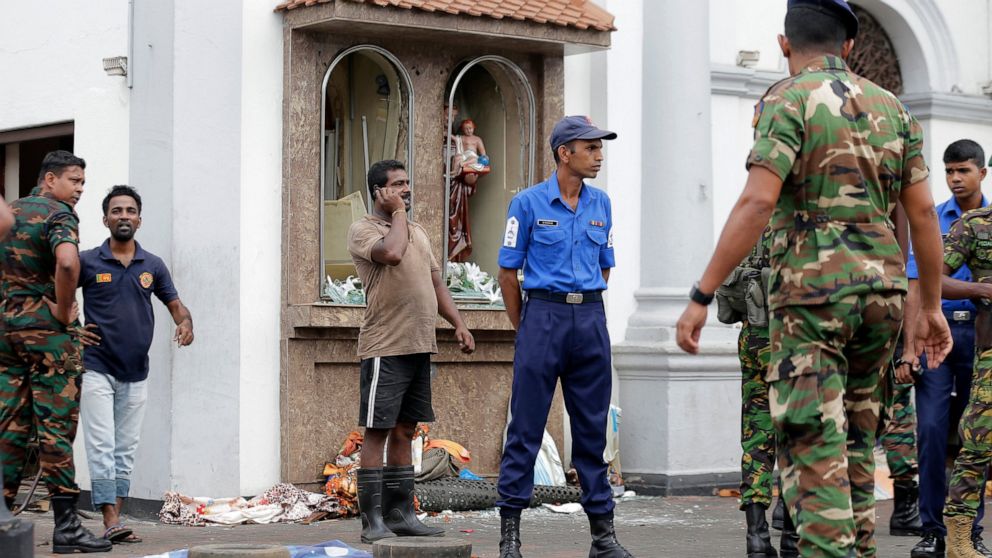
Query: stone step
[
  {"x": 239, "y": 551},
  {"x": 421, "y": 547}
]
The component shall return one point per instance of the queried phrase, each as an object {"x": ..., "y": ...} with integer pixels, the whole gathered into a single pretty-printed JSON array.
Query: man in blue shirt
[
  {"x": 118, "y": 280},
  {"x": 560, "y": 232},
  {"x": 942, "y": 393}
]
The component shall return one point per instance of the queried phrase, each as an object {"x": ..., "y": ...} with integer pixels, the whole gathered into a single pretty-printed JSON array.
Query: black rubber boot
[
  {"x": 370, "y": 506},
  {"x": 777, "y": 514},
  {"x": 509, "y": 538},
  {"x": 789, "y": 547},
  {"x": 759, "y": 541},
  {"x": 604, "y": 540},
  {"x": 70, "y": 536},
  {"x": 397, "y": 504},
  {"x": 905, "y": 520}
]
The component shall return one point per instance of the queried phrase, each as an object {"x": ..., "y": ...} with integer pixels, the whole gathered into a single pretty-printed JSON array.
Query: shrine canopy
[{"x": 579, "y": 25}]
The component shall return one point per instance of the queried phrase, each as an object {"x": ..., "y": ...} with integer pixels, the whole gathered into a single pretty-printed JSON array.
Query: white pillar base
[{"x": 681, "y": 412}]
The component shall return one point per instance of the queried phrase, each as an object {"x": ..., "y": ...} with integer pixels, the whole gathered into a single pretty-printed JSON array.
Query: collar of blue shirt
[
  {"x": 106, "y": 254},
  {"x": 554, "y": 191}
]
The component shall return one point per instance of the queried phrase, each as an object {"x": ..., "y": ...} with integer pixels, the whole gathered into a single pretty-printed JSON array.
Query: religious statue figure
[{"x": 468, "y": 162}]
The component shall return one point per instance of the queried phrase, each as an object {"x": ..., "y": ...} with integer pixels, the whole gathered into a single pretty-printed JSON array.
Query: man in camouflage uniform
[
  {"x": 969, "y": 242},
  {"x": 897, "y": 436},
  {"x": 742, "y": 298},
  {"x": 40, "y": 364},
  {"x": 833, "y": 153}
]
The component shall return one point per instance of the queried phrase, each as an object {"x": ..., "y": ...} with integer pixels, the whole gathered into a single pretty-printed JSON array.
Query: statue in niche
[{"x": 468, "y": 162}]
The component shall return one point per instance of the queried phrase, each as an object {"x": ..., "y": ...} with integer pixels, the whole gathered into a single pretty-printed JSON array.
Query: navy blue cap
[
  {"x": 577, "y": 127},
  {"x": 840, "y": 9}
]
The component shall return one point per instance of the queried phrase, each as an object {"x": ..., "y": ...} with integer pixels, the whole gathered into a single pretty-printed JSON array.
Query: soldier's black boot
[
  {"x": 932, "y": 545},
  {"x": 777, "y": 514},
  {"x": 604, "y": 539},
  {"x": 509, "y": 537},
  {"x": 759, "y": 541},
  {"x": 905, "y": 520},
  {"x": 789, "y": 547},
  {"x": 397, "y": 504},
  {"x": 70, "y": 536},
  {"x": 370, "y": 506}
]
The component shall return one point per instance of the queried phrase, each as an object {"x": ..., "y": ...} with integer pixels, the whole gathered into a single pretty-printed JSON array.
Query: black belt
[
  {"x": 584, "y": 297},
  {"x": 960, "y": 316}
]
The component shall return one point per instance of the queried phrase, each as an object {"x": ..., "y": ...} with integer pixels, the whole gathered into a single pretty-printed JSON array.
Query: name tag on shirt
[
  {"x": 547, "y": 222},
  {"x": 104, "y": 277}
]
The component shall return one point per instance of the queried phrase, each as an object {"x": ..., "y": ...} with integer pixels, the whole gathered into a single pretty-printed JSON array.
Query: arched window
[
  {"x": 493, "y": 95},
  {"x": 873, "y": 56},
  {"x": 367, "y": 116}
]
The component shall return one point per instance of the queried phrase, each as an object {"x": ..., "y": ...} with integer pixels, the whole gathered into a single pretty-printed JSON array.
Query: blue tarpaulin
[{"x": 330, "y": 548}]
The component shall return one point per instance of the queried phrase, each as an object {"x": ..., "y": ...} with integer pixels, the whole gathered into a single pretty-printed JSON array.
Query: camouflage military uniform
[
  {"x": 40, "y": 364},
  {"x": 844, "y": 148},
  {"x": 757, "y": 432},
  {"x": 898, "y": 428},
  {"x": 969, "y": 242}
]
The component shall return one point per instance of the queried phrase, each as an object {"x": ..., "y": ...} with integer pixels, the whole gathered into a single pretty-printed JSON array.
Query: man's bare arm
[
  {"x": 446, "y": 307},
  {"x": 509, "y": 285},
  {"x": 183, "y": 320},
  {"x": 956, "y": 289},
  {"x": 66, "y": 280}
]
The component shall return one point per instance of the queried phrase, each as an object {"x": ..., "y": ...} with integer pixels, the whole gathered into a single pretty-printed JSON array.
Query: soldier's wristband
[{"x": 699, "y": 297}]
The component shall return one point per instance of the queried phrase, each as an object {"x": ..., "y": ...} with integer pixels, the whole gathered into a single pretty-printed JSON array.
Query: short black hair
[
  {"x": 965, "y": 150},
  {"x": 57, "y": 161},
  {"x": 812, "y": 30},
  {"x": 379, "y": 174},
  {"x": 121, "y": 190},
  {"x": 571, "y": 149}
]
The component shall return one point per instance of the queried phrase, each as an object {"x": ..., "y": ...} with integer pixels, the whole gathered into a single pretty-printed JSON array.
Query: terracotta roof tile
[{"x": 581, "y": 14}]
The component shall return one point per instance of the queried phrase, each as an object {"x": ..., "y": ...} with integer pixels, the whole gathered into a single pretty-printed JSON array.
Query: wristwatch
[{"x": 699, "y": 296}]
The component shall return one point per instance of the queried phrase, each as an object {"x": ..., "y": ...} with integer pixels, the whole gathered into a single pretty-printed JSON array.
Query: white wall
[{"x": 260, "y": 248}]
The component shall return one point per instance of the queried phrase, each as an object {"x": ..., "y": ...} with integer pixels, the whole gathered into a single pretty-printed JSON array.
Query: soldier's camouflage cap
[{"x": 840, "y": 9}]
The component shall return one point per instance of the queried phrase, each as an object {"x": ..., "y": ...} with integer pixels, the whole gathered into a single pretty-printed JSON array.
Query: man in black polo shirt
[{"x": 118, "y": 279}]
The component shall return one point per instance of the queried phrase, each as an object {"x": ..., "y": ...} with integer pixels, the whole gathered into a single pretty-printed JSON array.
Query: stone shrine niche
[
  {"x": 367, "y": 115},
  {"x": 492, "y": 96},
  {"x": 873, "y": 56}
]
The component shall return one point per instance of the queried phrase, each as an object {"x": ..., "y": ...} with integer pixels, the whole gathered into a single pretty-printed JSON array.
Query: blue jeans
[
  {"x": 111, "y": 413},
  {"x": 938, "y": 415}
]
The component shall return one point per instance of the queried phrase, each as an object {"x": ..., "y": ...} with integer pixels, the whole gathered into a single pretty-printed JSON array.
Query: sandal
[
  {"x": 130, "y": 539},
  {"x": 117, "y": 533}
]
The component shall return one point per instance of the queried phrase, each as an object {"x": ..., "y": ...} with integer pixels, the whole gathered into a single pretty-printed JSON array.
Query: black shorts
[{"x": 396, "y": 389}]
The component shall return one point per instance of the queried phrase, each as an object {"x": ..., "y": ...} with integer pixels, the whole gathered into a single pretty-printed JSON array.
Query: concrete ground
[{"x": 686, "y": 526}]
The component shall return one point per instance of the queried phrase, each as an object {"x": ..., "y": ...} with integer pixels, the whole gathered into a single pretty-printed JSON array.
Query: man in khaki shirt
[{"x": 404, "y": 294}]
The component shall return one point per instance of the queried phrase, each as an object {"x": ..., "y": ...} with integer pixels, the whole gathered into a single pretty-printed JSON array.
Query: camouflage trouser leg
[
  {"x": 825, "y": 408},
  {"x": 898, "y": 428},
  {"x": 757, "y": 433},
  {"x": 39, "y": 389},
  {"x": 968, "y": 479}
]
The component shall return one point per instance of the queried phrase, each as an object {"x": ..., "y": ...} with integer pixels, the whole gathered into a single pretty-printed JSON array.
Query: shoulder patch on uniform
[
  {"x": 609, "y": 239},
  {"x": 512, "y": 231},
  {"x": 146, "y": 279},
  {"x": 104, "y": 277},
  {"x": 758, "y": 109}
]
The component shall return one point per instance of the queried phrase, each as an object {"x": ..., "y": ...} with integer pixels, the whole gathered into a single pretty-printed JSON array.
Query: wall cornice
[
  {"x": 949, "y": 106},
  {"x": 742, "y": 82}
]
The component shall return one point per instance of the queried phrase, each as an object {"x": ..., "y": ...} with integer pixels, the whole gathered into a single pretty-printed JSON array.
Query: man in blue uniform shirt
[
  {"x": 937, "y": 411},
  {"x": 118, "y": 280},
  {"x": 560, "y": 232}
]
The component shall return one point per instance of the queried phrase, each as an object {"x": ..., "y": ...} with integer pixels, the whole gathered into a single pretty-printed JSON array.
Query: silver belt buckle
[
  {"x": 573, "y": 298},
  {"x": 961, "y": 315}
]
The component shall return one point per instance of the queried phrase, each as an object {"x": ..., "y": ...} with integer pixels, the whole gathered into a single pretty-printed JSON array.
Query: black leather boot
[
  {"x": 370, "y": 506},
  {"x": 759, "y": 541},
  {"x": 777, "y": 514},
  {"x": 604, "y": 540},
  {"x": 932, "y": 545},
  {"x": 397, "y": 504},
  {"x": 905, "y": 520},
  {"x": 509, "y": 537},
  {"x": 789, "y": 547},
  {"x": 70, "y": 536}
]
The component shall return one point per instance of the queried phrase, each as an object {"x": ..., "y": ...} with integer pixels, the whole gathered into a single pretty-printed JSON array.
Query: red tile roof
[{"x": 581, "y": 14}]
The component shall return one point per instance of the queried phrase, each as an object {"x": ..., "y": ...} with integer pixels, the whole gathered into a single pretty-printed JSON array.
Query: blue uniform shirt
[
  {"x": 947, "y": 213},
  {"x": 118, "y": 300},
  {"x": 560, "y": 250}
]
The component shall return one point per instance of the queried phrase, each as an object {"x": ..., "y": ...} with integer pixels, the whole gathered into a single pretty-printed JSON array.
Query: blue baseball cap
[
  {"x": 839, "y": 9},
  {"x": 577, "y": 127}
]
